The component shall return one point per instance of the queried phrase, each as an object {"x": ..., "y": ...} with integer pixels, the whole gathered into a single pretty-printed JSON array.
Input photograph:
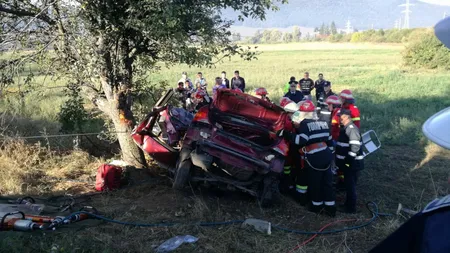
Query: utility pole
[
  {"x": 396, "y": 24},
  {"x": 348, "y": 27},
  {"x": 407, "y": 12}
]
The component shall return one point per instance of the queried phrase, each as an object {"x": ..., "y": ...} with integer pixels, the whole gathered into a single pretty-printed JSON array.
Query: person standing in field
[
  {"x": 306, "y": 84},
  {"x": 293, "y": 94},
  {"x": 237, "y": 81},
  {"x": 225, "y": 80},
  {"x": 349, "y": 157},
  {"x": 218, "y": 85},
  {"x": 184, "y": 79},
  {"x": 288, "y": 85},
  {"x": 200, "y": 82},
  {"x": 348, "y": 102},
  {"x": 318, "y": 85},
  {"x": 327, "y": 92}
]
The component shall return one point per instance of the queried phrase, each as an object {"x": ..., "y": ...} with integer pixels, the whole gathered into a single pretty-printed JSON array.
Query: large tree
[{"x": 107, "y": 47}]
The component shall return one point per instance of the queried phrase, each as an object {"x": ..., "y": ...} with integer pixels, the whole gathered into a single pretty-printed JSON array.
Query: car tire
[{"x": 183, "y": 169}]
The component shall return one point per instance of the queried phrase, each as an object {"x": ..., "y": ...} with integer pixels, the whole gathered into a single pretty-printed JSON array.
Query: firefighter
[
  {"x": 306, "y": 84},
  {"x": 288, "y": 178},
  {"x": 348, "y": 102},
  {"x": 262, "y": 94},
  {"x": 349, "y": 157},
  {"x": 293, "y": 94},
  {"x": 313, "y": 137},
  {"x": 201, "y": 99},
  {"x": 333, "y": 106}
]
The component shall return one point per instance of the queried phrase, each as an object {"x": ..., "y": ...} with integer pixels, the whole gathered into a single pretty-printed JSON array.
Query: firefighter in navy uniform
[
  {"x": 349, "y": 157},
  {"x": 313, "y": 137}
]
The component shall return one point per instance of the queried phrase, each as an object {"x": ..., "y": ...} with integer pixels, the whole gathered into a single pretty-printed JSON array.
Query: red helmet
[
  {"x": 284, "y": 101},
  {"x": 346, "y": 95},
  {"x": 333, "y": 100},
  {"x": 307, "y": 106},
  {"x": 199, "y": 94},
  {"x": 261, "y": 91}
]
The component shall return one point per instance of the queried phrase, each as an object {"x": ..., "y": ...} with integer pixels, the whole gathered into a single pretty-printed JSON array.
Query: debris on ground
[
  {"x": 260, "y": 225},
  {"x": 175, "y": 242}
]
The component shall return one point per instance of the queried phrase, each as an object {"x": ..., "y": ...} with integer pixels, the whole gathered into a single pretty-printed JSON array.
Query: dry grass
[{"x": 33, "y": 169}]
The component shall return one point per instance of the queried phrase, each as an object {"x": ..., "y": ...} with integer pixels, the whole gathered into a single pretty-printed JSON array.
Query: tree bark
[{"x": 131, "y": 153}]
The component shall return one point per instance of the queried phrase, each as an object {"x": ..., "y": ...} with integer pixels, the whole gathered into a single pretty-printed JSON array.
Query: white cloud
[{"x": 437, "y": 2}]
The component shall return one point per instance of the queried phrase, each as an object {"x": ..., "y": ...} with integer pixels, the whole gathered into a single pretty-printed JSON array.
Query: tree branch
[
  {"x": 94, "y": 95},
  {"x": 25, "y": 13}
]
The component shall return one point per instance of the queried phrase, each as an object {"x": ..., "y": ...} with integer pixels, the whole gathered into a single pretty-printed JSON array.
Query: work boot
[
  {"x": 316, "y": 209},
  {"x": 301, "y": 198},
  {"x": 330, "y": 210}
]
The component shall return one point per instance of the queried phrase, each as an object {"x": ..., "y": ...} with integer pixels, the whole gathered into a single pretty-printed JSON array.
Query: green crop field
[{"x": 394, "y": 101}]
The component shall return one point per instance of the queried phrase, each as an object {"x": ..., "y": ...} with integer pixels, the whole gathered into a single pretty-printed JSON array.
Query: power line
[
  {"x": 349, "y": 27},
  {"x": 407, "y": 12}
]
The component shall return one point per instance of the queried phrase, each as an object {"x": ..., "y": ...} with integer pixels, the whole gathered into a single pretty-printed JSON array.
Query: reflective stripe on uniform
[
  {"x": 350, "y": 153},
  {"x": 317, "y": 203},
  {"x": 360, "y": 157},
  {"x": 304, "y": 136},
  {"x": 340, "y": 157},
  {"x": 354, "y": 142},
  {"x": 316, "y": 150},
  {"x": 301, "y": 187},
  {"x": 330, "y": 138},
  {"x": 330, "y": 203},
  {"x": 323, "y": 112},
  {"x": 331, "y": 148},
  {"x": 287, "y": 170},
  {"x": 355, "y": 119},
  {"x": 321, "y": 135},
  {"x": 342, "y": 144},
  {"x": 334, "y": 121}
]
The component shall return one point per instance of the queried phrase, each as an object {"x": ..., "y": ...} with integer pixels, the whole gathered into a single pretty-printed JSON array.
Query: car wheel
[{"x": 183, "y": 169}]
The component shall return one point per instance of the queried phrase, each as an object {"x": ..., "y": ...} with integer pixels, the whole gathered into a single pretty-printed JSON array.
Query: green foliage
[
  {"x": 426, "y": 51},
  {"x": 357, "y": 37},
  {"x": 287, "y": 37},
  {"x": 333, "y": 28},
  {"x": 72, "y": 114},
  {"x": 296, "y": 34}
]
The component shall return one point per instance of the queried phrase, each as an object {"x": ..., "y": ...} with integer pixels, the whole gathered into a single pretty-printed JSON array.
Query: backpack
[{"x": 108, "y": 177}]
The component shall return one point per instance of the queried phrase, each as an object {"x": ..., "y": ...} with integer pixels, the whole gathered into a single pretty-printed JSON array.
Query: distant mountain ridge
[{"x": 362, "y": 14}]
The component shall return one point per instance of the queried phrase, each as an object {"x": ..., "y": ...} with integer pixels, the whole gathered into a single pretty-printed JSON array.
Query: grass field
[{"x": 394, "y": 101}]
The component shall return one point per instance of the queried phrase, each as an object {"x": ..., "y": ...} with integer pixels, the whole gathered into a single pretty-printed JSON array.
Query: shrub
[{"x": 426, "y": 51}]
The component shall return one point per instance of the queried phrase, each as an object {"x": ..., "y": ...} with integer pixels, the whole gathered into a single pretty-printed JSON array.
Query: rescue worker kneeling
[{"x": 313, "y": 138}]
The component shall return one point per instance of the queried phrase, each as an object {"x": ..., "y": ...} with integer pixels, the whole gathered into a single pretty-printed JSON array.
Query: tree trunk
[{"x": 131, "y": 153}]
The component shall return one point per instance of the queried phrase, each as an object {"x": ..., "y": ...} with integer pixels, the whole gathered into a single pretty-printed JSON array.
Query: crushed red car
[{"x": 231, "y": 142}]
